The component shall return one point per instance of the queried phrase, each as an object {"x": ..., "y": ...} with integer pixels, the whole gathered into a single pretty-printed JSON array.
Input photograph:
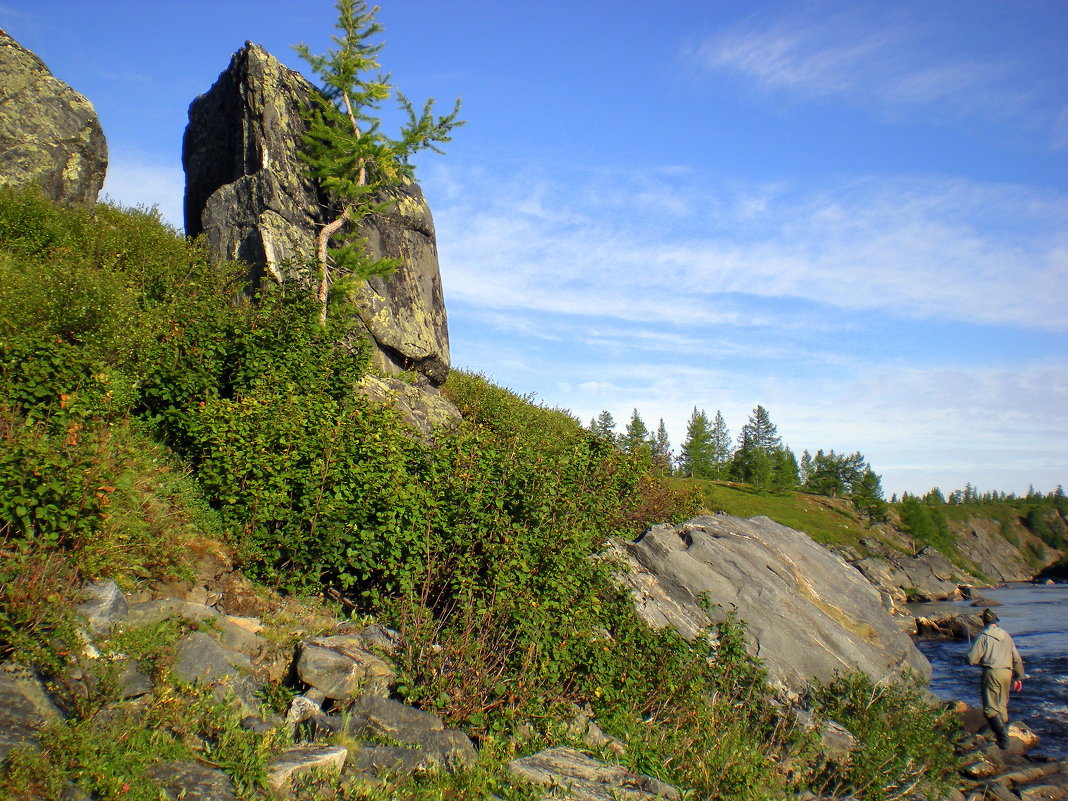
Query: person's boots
[{"x": 1001, "y": 731}]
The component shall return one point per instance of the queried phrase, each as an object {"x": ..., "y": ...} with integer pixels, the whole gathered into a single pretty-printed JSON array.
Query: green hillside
[{"x": 149, "y": 408}]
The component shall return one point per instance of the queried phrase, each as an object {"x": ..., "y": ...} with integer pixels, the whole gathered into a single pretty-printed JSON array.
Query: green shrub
[{"x": 904, "y": 744}]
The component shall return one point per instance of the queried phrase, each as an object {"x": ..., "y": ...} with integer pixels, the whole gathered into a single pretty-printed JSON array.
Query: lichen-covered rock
[
  {"x": 422, "y": 410},
  {"x": 249, "y": 193},
  {"x": 808, "y": 613},
  {"x": 49, "y": 134}
]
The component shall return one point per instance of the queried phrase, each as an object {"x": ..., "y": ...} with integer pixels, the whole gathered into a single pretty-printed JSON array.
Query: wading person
[{"x": 995, "y": 651}]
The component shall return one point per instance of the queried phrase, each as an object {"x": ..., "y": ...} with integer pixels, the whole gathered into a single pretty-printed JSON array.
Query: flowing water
[{"x": 1037, "y": 618}]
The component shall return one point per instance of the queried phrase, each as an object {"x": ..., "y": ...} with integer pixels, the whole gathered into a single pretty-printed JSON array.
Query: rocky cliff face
[
  {"x": 983, "y": 547},
  {"x": 809, "y": 614},
  {"x": 981, "y": 541},
  {"x": 49, "y": 134},
  {"x": 248, "y": 193}
]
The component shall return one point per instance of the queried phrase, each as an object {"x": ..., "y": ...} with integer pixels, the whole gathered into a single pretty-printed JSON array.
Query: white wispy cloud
[
  {"x": 896, "y": 58},
  {"x": 919, "y": 248}
]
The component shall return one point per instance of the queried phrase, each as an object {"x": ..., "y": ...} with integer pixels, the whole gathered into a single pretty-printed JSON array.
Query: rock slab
[
  {"x": 808, "y": 613},
  {"x": 570, "y": 774},
  {"x": 295, "y": 761},
  {"x": 191, "y": 781},
  {"x": 50, "y": 135}
]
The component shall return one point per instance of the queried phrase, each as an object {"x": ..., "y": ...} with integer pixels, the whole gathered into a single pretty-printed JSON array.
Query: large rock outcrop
[
  {"x": 49, "y": 134},
  {"x": 248, "y": 192},
  {"x": 809, "y": 614}
]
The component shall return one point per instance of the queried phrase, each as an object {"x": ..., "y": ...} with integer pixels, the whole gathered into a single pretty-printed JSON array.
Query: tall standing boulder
[
  {"x": 49, "y": 134},
  {"x": 249, "y": 193}
]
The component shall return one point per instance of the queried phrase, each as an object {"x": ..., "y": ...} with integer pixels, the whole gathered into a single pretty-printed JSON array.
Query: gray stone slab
[
  {"x": 574, "y": 775},
  {"x": 191, "y": 781},
  {"x": 290, "y": 763}
]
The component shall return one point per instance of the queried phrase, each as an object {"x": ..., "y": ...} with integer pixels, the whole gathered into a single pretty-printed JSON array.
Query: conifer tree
[
  {"x": 604, "y": 425},
  {"x": 759, "y": 432},
  {"x": 695, "y": 455},
  {"x": 867, "y": 496},
  {"x": 805, "y": 468},
  {"x": 721, "y": 445},
  {"x": 636, "y": 435},
  {"x": 345, "y": 148},
  {"x": 662, "y": 448}
]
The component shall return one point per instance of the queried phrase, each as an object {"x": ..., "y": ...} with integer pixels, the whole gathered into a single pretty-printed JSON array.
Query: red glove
[{"x": 1017, "y": 686}]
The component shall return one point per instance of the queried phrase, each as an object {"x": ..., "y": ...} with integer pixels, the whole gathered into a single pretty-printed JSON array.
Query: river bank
[{"x": 1037, "y": 618}]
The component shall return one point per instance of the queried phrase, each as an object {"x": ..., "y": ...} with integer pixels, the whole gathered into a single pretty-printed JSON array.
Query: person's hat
[{"x": 988, "y": 616}]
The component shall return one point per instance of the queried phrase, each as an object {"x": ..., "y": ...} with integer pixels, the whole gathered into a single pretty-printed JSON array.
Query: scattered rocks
[
  {"x": 948, "y": 625},
  {"x": 103, "y": 607},
  {"x": 988, "y": 772},
  {"x": 24, "y": 708},
  {"x": 147, "y": 613},
  {"x": 423, "y": 738}
]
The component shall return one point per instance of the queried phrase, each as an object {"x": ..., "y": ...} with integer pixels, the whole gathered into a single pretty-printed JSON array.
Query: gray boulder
[
  {"x": 248, "y": 192},
  {"x": 341, "y": 668},
  {"x": 49, "y": 134},
  {"x": 200, "y": 659},
  {"x": 426, "y": 733},
  {"x": 808, "y": 613}
]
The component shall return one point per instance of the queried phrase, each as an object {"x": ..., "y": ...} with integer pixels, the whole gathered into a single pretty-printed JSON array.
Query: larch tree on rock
[{"x": 346, "y": 150}]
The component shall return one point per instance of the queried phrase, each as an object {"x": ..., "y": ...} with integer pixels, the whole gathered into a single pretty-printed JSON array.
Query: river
[{"x": 1037, "y": 618}]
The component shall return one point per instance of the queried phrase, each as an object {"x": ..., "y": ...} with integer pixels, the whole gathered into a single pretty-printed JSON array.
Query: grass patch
[{"x": 828, "y": 521}]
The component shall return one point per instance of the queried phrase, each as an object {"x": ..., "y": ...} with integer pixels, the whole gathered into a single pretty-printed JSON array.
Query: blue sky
[{"x": 852, "y": 213}]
